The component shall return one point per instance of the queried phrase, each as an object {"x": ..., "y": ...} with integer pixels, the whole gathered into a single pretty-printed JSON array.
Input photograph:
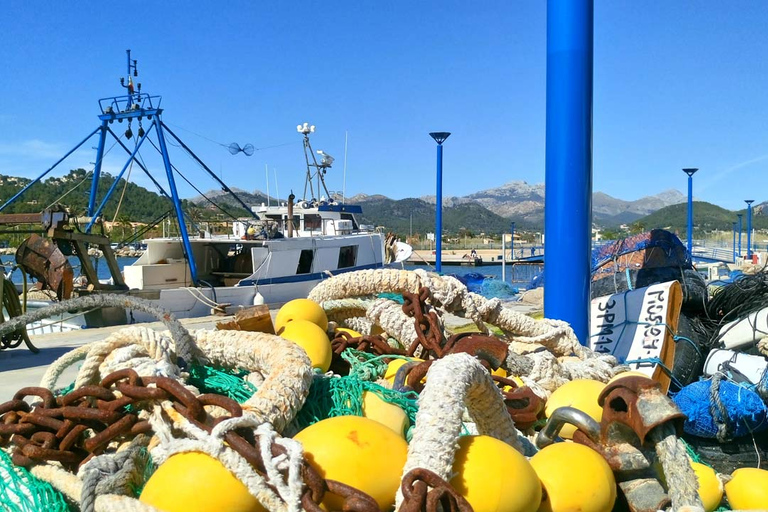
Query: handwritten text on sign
[{"x": 632, "y": 325}]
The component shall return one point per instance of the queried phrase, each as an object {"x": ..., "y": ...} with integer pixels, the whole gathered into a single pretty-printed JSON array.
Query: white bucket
[{"x": 752, "y": 367}]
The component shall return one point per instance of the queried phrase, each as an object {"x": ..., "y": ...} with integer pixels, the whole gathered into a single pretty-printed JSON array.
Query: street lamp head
[
  {"x": 690, "y": 170},
  {"x": 440, "y": 136},
  {"x": 749, "y": 201},
  {"x": 739, "y": 215}
]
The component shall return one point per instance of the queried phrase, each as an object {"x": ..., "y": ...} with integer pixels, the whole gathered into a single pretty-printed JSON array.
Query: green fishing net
[
  {"x": 343, "y": 396},
  {"x": 222, "y": 381},
  {"x": 22, "y": 492}
]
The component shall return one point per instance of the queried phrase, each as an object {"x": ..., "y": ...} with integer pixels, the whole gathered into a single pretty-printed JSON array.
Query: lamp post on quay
[
  {"x": 740, "y": 215},
  {"x": 439, "y": 138},
  {"x": 749, "y": 227},
  {"x": 690, "y": 172},
  {"x": 734, "y": 242}
]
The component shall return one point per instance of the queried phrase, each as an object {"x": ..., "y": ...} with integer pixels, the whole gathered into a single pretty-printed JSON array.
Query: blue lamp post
[
  {"x": 749, "y": 227},
  {"x": 740, "y": 215},
  {"x": 568, "y": 208},
  {"x": 439, "y": 138},
  {"x": 690, "y": 172},
  {"x": 734, "y": 242}
]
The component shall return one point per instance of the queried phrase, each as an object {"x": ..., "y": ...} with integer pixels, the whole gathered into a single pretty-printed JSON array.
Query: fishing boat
[{"x": 277, "y": 254}]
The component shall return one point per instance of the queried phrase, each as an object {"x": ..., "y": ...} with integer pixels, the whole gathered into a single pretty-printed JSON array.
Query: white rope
[
  {"x": 453, "y": 383},
  {"x": 341, "y": 297}
]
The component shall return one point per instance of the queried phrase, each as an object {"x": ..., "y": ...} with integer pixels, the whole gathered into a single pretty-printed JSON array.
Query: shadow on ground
[{"x": 21, "y": 357}]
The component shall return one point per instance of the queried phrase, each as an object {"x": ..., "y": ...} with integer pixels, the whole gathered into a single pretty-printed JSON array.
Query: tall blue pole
[
  {"x": 690, "y": 172},
  {"x": 739, "y": 215},
  {"x": 94, "y": 214},
  {"x": 568, "y": 208},
  {"x": 176, "y": 202},
  {"x": 734, "y": 242},
  {"x": 749, "y": 227},
  {"x": 97, "y": 168},
  {"x": 439, "y": 138}
]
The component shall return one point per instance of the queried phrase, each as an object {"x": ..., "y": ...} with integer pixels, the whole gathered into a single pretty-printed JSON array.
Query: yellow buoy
[
  {"x": 482, "y": 468},
  {"x": 574, "y": 478},
  {"x": 313, "y": 340},
  {"x": 748, "y": 489},
  {"x": 499, "y": 372},
  {"x": 710, "y": 487},
  {"x": 394, "y": 365},
  {"x": 359, "y": 452},
  {"x": 581, "y": 394},
  {"x": 301, "y": 309},
  {"x": 352, "y": 333},
  {"x": 196, "y": 482},
  {"x": 389, "y": 415},
  {"x": 632, "y": 373}
]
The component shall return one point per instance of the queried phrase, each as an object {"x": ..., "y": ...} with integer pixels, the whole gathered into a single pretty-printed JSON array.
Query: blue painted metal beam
[
  {"x": 213, "y": 174},
  {"x": 568, "y": 209},
  {"x": 176, "y": 202},
  {"x": 734, "y": 242},
  {"x": 97, "y": 168},
  {"x": 98, "y": 211},
  {"x": 131, "y": 114},
  {"x": 20, "y": 192},
  {"x": 141, "y": 165}
]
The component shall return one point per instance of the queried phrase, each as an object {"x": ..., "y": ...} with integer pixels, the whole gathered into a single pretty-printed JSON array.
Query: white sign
[
  {"x": 637, "y": 327},
  {"x": 431, "y": 236}
]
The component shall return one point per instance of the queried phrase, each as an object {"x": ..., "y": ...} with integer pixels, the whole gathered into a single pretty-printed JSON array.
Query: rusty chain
[
  {"x": 73, "y": 428},
  {"x": 425, "y": 491},
  {"x": 429, "y": 334}
]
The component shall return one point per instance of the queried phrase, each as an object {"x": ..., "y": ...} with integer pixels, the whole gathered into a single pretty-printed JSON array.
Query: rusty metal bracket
[
  {"x": 43, "y": 260},
  {"x": 639, "y": 404}
]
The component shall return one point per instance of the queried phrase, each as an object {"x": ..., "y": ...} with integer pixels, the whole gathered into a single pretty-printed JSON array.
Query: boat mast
[{"x": 320, "y": 168}]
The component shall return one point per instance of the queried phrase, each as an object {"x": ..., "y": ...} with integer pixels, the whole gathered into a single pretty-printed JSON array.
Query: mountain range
[{"x": 520, "y": 200}]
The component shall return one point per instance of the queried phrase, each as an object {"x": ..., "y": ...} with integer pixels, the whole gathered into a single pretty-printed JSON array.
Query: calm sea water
[
  {"x": 516, "y": 276},
  {"x": 101, "y": 267}
]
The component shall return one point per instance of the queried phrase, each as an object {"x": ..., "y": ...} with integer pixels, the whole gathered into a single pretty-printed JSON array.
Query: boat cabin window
[
  {"x": 312, "y": 222},
  {"x": 305, "y": 261},
  {"x": 347, "y": 256},
  {"x": 349, "y": 216}
]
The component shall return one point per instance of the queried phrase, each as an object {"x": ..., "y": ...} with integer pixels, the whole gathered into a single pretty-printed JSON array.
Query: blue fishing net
[
  {"x": 746, "y": 412},
  {"x": 660, "y": 248},
  {"x": 498, "y": 289},
  {"x": 472, "y": 280},
  {"x": 488, "y": 287}
]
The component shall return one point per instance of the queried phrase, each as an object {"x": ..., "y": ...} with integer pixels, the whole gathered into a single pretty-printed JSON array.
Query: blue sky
[{"x": 677, "y": 84}]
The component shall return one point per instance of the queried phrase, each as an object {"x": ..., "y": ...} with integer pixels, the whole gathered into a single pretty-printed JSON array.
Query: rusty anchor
[{"x": 632, "y": 408}]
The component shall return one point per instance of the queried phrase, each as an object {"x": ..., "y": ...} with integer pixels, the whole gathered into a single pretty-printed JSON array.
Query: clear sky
[{"x": 677, "y": 84}]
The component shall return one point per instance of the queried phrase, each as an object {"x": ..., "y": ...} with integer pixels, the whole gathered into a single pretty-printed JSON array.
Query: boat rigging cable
[
  {"x": 122, "y": 194},
  {"x": 230, "y": 147},
  {"x": 87, "y": 175},
  {"x": 216, "y": 205}
]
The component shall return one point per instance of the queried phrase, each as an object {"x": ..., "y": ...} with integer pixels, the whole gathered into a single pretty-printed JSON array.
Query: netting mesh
[
  {"x": 22, "y": 492},
  {"x": 343, "y": 396},
  {"x": 222, "y": 381},
  {"x": 745, "y": 411}
]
